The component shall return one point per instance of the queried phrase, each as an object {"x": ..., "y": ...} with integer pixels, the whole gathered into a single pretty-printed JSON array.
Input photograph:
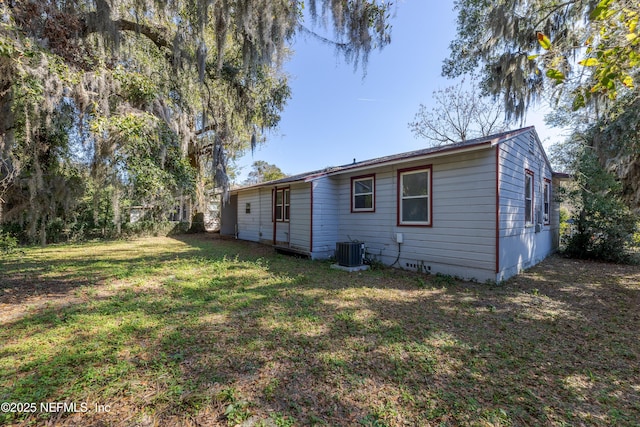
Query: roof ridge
[{"x": 305, "y": 176}]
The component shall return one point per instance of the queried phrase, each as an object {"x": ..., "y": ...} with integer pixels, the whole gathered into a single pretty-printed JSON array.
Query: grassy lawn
[{"x": 202, "y": 331}]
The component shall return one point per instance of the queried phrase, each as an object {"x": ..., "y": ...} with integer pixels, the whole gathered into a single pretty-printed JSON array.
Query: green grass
[{"x": 198, "y": 330}]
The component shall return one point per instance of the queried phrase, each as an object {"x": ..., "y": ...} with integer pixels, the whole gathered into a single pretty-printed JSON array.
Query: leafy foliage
[
  {"x": 147, "y": 156},
  {"x": 604, "y": 225},
  {"x": 263, "y": 172},
  {"x": 8, "y": 243},
  {"x": 587, "y": 48},
  {"x": 565, "y": 227},
  {"x": 143, "y": 101}
]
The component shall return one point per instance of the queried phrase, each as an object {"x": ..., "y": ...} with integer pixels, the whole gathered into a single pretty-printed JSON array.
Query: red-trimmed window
[
  {"x": 414, "y": 196},
  {"x": 547, "y": 202},
  {"x": 363, "y": 193},
  {"x": 528, "y": 198},
  {"x": 281, "y": 205}
]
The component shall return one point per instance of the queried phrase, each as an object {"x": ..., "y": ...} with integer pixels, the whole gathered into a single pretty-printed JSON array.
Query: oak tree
[{"x": 200, "y": 81}]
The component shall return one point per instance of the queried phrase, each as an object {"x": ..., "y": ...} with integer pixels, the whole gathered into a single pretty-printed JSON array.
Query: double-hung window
[
  {"x": 547, "y": 202},
  {"x": 528, "y": 198},
  {"x": 363, "y": 194},
  {"x": 281, "y": 205},
  {"x": 414, "y": 196}
]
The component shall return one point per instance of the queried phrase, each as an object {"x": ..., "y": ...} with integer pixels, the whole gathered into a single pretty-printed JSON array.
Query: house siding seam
[
  {"x": 325, "y": 219},
  {"x": 300, "y": 217},
  {"x": 311, "y": 218}
]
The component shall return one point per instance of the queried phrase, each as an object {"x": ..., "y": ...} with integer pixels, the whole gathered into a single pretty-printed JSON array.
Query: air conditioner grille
[{"x": 350, "y": 254}]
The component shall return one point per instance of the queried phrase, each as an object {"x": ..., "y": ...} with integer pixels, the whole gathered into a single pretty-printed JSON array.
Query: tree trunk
[
  {"x": 43, "y": 231},
  {"x": 6, "y": 101},
  {"x": 6, "y": 130},
  {"x": 115, "y": 201}
]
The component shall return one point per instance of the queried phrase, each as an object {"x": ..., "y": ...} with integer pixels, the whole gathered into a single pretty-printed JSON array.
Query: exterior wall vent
[
  {"x": 532, "y": 143},
  {"x": 350, "y": 254}
]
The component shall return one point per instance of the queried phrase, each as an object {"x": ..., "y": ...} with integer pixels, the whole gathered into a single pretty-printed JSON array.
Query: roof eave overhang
[
  {"x": 561, "y": 176},
  {"x": 441, "y": 153},
  {"x": 268, "y": 185},
  {"x": 445, "y": 151}
]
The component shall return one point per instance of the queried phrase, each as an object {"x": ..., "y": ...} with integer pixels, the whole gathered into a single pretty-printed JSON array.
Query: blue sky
[{"x": 337, "y": 114}]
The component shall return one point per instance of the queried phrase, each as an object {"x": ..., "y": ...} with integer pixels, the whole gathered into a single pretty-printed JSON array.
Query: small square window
[{"x": 247, "y": 208}]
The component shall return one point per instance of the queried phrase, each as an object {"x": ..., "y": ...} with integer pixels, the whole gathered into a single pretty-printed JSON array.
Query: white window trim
[
  {"x": 286, "y": 200},
  {"x": 546, "y": 207},
  {"x": 372, "y": 193},
  {"x": 529, "y": 174},
  {"x": 282, "y": 208},
  {"x": 401, "y": 175}
]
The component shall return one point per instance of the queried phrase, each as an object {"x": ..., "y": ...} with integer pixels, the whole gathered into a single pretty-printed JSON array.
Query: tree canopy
[
  {"x": 146, "y": 94},
  {"x": 262, "y": 171},
  {"x": 523, "y": 48}
]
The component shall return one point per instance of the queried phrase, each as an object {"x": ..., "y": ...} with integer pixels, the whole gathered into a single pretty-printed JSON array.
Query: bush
[
  {"x": 605, "y": 226},
  {"x": 600, "y": 240},
  {"x": 8, "y": 243},
  {"x": 154, "y": 228},
  {"x": 565, "y": 226}
]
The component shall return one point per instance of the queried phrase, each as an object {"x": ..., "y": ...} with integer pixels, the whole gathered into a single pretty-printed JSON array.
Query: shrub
[
  {"x": 604, "y": 225},
  {"x": 154, "y": 228},
  {"x": 8, "y": 243},
  {"x": 565, "y": 227}
]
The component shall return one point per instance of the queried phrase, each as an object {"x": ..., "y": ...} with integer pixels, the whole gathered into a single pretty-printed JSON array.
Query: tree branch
[
  {"x": 155, "y": 35},
  {"x": 553, "y": 9}
]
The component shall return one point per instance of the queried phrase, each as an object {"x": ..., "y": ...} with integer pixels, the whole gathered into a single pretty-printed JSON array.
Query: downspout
[
  {"x": 260, "y": 214},
  {"x": 274, "y": 193},
  {"x": 497, "y": 245},
  {"x": 311, "y": 221}
]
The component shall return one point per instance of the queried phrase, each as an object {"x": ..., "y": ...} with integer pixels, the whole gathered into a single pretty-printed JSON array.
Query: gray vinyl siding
[
  {"x": 461, "y": 240},
  {"x": 325, "y": 216},
  {"x": 283, "y": 231},
  {"x": 300, "y": 218},
  {"x": 229, "y": 216},
  {"x": 521, "y": 245},
  {"x": 266, "y": 215},
  {"x": 249, "y": 226},
  {"x": 258, "y": 225}
]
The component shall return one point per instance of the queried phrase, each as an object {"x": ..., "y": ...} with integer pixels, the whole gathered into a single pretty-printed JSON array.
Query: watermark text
[{"x": 53, "y": 407}]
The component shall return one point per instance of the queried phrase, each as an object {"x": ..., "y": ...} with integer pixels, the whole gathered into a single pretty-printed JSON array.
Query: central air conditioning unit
[{"x": 350, "y": 254}]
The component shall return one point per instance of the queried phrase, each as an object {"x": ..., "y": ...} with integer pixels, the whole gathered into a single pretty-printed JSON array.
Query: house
[{"x": 481, "y": 209}]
